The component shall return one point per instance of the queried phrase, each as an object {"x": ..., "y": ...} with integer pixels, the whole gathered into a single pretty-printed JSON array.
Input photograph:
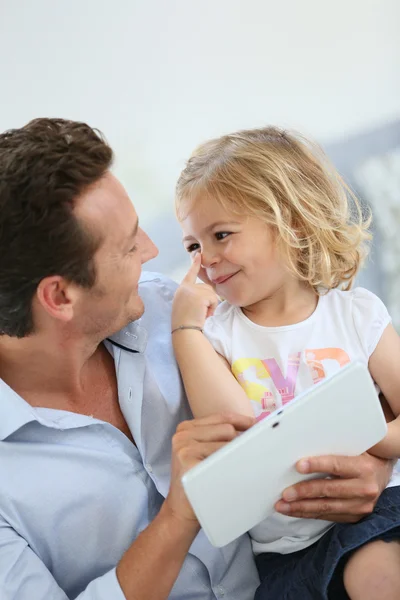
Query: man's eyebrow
[
  {"x": 212, "y": 226},
  {"x": 128, "y": 240},
  {"x": 135, "y": 229}
]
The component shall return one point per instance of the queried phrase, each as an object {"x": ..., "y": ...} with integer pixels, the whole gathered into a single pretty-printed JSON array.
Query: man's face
[{"x": 114, "y": 300}]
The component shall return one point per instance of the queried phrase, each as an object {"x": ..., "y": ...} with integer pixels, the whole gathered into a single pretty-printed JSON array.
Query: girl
[{"x": 273, "y": 230}]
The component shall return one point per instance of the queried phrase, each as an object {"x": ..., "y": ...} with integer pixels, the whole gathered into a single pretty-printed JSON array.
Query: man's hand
[
  {"x": 163, "y": 545},
  {"x": 193, "y": 442},
  {"x": 193, "y": 302},
  {"x": 349, "y": 496}
]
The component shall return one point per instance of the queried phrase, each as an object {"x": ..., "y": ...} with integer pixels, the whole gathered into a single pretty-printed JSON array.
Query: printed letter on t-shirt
[
  {"x": 315, "y": 358},
  {"x": 284, "y": 385}
]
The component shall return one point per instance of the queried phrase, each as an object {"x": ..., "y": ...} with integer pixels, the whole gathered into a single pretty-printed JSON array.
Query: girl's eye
[
  {"x": 193, "y": 247},
  {"x": 221, "y": 235}
]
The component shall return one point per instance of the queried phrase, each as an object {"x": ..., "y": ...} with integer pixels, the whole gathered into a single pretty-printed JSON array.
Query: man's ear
[{"x": 58, "y": 297}]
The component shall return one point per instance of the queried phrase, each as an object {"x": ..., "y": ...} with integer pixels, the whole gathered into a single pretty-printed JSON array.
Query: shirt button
[
  {"x": 149, "y": 468},
  {"x": 130, "y": 395},
  {"x": 220, "y": 591}
]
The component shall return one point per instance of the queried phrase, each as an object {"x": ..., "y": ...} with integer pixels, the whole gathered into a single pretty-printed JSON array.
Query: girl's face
[{"x": 238, "y": 253}]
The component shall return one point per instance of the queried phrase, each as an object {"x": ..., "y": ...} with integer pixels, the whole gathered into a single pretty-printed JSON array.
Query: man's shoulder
[
  {"x": 155, "y": 285},
  {"x": 156, "y": 289},
  {"x": 157, "y": 292},
  {"x": 158, "y": 279}
]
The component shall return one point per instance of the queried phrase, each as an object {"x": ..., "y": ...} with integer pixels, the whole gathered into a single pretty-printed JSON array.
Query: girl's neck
[{"x": 292, "y": 303}]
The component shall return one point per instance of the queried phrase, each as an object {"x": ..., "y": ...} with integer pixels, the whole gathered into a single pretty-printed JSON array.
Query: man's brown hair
[{"x": 44, "y": 167}]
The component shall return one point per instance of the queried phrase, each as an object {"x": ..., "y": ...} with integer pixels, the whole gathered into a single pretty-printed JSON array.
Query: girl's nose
[{"x": 208, "y": 257}]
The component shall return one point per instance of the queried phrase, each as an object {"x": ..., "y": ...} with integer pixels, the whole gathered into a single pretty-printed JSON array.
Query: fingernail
[
  {"x": 283, "y": 507},
  {"x": 290, "y": 494},
  {"x": 303, "y": 466}
]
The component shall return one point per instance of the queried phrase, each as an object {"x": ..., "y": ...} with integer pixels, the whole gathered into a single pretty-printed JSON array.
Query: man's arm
[
  {"x": 350, "y": 495},
  {"x": 168, "y": 538},
  {"x": 149, "y": 568}
]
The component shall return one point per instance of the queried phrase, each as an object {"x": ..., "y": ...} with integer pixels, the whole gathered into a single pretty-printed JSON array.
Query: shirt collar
[
  {"x": 133, "y": 337},
  {"x": 15, "y": 412}
]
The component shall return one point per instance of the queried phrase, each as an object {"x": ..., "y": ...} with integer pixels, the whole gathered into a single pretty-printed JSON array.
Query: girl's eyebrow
[{"x": 212, "y": 226}]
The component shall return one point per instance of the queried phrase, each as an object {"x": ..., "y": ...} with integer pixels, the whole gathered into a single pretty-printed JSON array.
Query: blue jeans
[{"x": 316, "y": 573}]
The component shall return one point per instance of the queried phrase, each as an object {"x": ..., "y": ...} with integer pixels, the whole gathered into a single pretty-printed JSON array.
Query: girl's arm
[
  {"x": 209, "y": 383},
  {"x": 384, "y": 366},
  {"x": 208, "y": 380}
]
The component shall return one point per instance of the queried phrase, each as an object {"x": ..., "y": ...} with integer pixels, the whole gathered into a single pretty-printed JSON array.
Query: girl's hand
[{"x": 193, "y": 302}]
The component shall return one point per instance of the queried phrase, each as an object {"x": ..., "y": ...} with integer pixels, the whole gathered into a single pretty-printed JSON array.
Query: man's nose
[{"x": 148, "y": 249}]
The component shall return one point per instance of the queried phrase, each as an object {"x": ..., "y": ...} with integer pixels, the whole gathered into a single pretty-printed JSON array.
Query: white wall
[{"x": 158, "y": 76}]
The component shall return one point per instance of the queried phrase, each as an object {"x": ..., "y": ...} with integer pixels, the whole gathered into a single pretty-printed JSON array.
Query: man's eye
[
  {"x": 133, "y": 249},
  {"x": 193, "y": 247},
  {"x": 221, "y": 235}
]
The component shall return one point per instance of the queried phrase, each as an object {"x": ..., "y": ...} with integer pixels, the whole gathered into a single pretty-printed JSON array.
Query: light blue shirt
[{"x": 75, "y": 492}]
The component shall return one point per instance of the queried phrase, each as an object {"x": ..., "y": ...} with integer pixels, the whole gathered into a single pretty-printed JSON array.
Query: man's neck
[
  {"x": 53, "y": 365},
  {"x": 63, "y": 373}
]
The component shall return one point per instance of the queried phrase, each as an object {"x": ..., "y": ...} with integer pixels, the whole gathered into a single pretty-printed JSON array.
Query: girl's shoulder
[
  {"x": 359, "y": 299},
  {"x": 224, "y": 311},
  {"x": 222, "y": 318},
  {"x": 218, "y": 329},
  {"x": 364, "y": 310}
]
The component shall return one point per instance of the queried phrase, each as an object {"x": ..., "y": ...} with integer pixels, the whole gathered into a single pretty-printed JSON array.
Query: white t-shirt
[{"x": 275, "y": 364}]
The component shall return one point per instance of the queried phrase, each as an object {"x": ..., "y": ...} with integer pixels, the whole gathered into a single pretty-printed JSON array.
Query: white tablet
[{"x": 236, "y": 487}]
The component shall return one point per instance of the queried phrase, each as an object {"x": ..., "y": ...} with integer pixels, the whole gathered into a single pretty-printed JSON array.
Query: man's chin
[
  {"x": 137, "y": 311},
  {"x": 134, "y": 314}
]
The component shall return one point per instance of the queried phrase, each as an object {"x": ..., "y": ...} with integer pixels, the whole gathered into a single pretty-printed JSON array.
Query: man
[{"x": 91, "y": 505}]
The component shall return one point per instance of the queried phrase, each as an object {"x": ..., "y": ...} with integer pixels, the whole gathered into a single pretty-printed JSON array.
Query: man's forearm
[{"x": 149, "y": 568}]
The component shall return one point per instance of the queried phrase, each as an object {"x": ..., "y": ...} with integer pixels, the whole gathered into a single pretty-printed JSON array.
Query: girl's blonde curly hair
[{"x": 283, "y": 179}]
